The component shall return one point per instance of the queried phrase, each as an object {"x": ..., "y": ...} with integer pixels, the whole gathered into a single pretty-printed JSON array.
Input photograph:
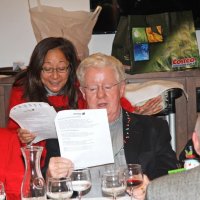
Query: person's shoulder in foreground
[{"x": 184, "y": 186}]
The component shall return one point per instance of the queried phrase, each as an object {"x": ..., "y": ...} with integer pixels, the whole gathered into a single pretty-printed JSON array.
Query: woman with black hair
[{"x": 50, "y": 77}]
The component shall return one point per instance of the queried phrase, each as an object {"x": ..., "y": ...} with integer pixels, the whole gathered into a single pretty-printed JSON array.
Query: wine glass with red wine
[{"x": 134, "y": 177}]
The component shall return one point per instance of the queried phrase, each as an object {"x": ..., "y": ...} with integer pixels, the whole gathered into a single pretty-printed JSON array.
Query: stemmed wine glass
[
  {"x": 113, "y": 183},
  {"x": 81, "y": 181},
  {"x": 2, "y": 191},
  {"x": 60, "y": 189},
  {"x": 134, "y": 177}
]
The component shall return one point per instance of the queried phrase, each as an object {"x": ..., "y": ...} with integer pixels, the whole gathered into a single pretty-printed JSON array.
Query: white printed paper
[
  {"x": 84, "y": 137},
  {"x": 37, "y": 117}
]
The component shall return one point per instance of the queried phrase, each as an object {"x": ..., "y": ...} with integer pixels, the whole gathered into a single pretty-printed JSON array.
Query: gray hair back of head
[{"x": 99, "y": 60}]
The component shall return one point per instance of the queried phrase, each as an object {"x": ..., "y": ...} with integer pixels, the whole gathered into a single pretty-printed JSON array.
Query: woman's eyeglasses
[{"x": 50, "y": 70}]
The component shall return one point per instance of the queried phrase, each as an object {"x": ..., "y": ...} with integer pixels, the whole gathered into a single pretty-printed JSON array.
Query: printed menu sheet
[
  {"x": 37, "y": 117},
  {"x": 84, "y": 137}
]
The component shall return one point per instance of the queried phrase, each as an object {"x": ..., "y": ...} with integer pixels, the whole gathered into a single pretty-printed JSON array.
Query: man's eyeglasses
[
  {"x": 95, "y": 88},
  {"x": 50, "y": 70}
]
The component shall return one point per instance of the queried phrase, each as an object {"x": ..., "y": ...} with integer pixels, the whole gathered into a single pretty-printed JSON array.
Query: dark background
[{"x": 113, "y": 9}]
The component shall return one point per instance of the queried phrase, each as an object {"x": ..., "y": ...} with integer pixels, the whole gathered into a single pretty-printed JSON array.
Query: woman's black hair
[{"x": 30, "y": 79}]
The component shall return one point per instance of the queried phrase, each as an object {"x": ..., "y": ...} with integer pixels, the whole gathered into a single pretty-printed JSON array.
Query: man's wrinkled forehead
[{"x": 102, "y": 72}]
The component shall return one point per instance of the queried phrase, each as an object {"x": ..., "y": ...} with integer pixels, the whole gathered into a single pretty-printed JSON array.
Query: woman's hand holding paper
[{"x": 25, "y": 136}]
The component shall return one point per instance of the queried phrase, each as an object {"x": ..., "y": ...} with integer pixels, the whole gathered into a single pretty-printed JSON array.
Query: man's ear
[
  {"x": 196, "y": 142},
  {"x": 122, "y": 88},
  {"x": 82, "y": 91}
]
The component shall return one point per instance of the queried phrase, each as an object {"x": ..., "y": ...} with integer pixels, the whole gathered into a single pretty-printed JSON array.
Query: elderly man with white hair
[{"x": 135, "y": 138}]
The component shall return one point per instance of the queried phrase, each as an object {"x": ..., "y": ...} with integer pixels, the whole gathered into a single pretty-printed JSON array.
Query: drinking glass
[
  {"x": 59, "y": 188},
  {"x": 81, "y": 181},
  {"x": 113, "y": 183},
  {"x": 2, "y": 191},
  {"x": 134, "y": 177}
]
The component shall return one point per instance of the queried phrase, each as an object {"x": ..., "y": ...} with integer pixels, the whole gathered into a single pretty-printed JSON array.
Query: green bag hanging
[{"x": 159, "y": 42}]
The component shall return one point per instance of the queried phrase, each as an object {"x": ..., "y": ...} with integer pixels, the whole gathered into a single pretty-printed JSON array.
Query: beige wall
[{"x": 16, "y": 35}]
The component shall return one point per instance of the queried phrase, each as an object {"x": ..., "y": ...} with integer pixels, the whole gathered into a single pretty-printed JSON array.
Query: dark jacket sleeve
[
  {"x": 165, "y": 157},
  {"x": 149, "y": 145}
]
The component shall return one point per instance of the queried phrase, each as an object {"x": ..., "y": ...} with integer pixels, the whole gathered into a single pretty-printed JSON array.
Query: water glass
[
  {"x": 113, "y": 183},
  {"x": 81, "y": 181},
  {"x": 60, "y": 189},
  {"x": 2, "y": 191}
]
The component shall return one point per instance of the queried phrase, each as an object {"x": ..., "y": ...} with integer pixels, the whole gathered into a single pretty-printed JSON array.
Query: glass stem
[
  {"x": 79, "y": 195},
  {"x": 131, "y": 193}
]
